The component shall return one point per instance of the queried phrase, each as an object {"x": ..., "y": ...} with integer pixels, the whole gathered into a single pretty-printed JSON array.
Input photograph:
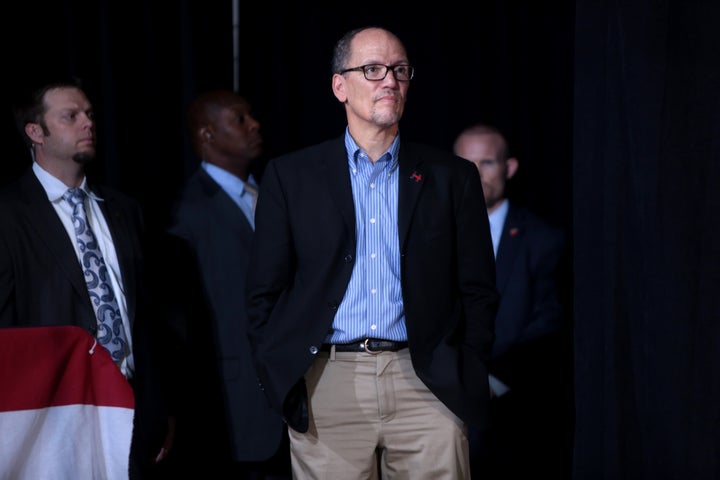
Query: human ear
[
  {"x": 35, "y": 132},
  {"x": 338, "y": 87},
  {"x": 512, "y": 165}
]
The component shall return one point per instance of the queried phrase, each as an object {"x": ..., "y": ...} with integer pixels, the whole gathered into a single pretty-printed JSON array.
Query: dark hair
[{"x": 32, "y": 108}]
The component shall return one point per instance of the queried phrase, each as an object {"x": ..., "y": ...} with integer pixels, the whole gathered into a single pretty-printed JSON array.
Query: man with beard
[{"x": 45, "y": 260}]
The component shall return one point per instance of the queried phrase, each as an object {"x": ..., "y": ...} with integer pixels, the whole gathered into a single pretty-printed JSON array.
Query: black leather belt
[{"x": 369, "y": 345}]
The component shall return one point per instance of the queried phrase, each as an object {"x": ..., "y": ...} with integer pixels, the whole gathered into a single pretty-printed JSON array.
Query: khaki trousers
[{"x": 371, "y": 417}]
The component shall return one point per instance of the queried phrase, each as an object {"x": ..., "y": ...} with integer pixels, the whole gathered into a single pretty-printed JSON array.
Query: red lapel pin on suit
[{"x": 416, "y": 176}]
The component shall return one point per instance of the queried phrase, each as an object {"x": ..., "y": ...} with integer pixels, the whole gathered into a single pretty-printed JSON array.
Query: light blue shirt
[
  {"x": 235, "y": 188},
  {"x": 497, "y": 222},
  {"x": 372, "y": 306}
]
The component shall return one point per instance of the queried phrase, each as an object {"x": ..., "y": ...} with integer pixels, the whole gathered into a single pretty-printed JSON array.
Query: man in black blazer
[
  {"x": 371, "y": 287},
  {"x": 41, "y": 279},
  {"x": 529, "y": 371},
  {"x": 226, "y": 427}
]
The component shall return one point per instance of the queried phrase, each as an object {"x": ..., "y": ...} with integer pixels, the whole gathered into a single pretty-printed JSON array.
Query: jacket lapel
[
  {"x": 513, "y": 235},
  {"x": 234, "y": 217},
  {"x": 334, "y": 168},
  {"x": 410, "y": 183},
  {"x": 42, "y": 218},
  {"x": 118, "y": 224}
]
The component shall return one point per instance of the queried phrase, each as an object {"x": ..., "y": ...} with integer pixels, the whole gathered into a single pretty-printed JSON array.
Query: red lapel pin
[{"x": 416, "y": 176}]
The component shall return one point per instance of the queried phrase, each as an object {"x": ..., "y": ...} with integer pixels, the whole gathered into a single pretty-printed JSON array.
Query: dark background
[
  {"x": 144, "y": 62},
  {"x": 612, "y": 108}
]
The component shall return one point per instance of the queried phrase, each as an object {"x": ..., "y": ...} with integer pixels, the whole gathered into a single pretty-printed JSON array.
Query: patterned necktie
[{"x": 111, "y": 333}]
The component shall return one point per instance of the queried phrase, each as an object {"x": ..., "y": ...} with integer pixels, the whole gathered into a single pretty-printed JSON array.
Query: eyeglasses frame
[{"x": 388, "y": 68}]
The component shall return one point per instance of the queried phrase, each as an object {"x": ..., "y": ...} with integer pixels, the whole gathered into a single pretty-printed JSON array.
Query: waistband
[{"x": 369, "y": 345}]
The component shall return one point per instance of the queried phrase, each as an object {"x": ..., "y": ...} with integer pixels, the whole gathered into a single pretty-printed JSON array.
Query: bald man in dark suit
[
  {"x": 226, "y": 427},
  {"x": 371, "y": 287},
  {"x": 530, "y": 368}
]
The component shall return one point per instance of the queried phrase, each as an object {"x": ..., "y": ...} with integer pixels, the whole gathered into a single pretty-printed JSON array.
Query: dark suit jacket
[
  {"x": 531, "y": 426},
  {"x": 304, "y": 251},
  {"x": 529, "y": 268},
  {"x": 213, "y": 319},
  {"x": 42, "y": 284}
]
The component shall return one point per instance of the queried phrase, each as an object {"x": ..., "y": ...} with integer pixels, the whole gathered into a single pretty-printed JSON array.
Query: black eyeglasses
[{"x": 376, "y": 72}]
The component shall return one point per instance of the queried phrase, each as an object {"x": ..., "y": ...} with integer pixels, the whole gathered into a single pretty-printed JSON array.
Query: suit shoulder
[
  {"x": 430, "y": 152},
  {"x": 435, "y": 156},
  {"x": 118, "y": 199},
  {"x": 196, "y": 188},
  {"x": 10, "y": 189},
  {"x": 109, "y": 191},
  {"x": 318, "y": 150},
  {"x": 536, "y": 224},
  {"x": 8, "y": 192}
]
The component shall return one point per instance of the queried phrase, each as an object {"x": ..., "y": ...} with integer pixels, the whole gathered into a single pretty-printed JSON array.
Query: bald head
[
  {"x": 205, "y": 110},
  {"x": 223, "y": 131},
  {"x": 489, "y": 132},
  {"x": 487, "y": 148}
]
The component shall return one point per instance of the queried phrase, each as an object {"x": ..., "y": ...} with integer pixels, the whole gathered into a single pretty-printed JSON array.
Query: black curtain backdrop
[
  {"x": 144, "y": 61},
  {"x": 612, "y": 108},
  {"x": 647, "y": 240}
]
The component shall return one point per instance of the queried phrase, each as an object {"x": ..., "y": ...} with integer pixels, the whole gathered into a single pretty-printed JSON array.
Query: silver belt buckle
[{"x": 367, "y": 349}]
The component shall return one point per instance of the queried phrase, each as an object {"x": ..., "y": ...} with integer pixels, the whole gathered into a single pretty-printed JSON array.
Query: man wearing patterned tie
[
  {"x": 48, "y": 275},
  {"x": 225, "y": 426}
]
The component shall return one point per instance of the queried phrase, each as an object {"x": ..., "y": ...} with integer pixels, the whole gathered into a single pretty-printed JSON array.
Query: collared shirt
[
  {"x": 235, "y": 188},
  {"x": 497, "y": 222},
  {"x": 372, "y": 306},
  {"x": 55, "y": 189}
]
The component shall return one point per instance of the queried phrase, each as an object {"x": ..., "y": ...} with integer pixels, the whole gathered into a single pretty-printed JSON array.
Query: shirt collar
[
  {"x": 54, "y": 188},
  {"x": 229, "y": 182},
  {"x": 497, "y": 222},
  {"x": 353, "y": 149}
]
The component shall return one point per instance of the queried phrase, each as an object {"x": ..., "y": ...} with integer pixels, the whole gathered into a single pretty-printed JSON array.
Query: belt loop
[{"x": 332, "y": 352}]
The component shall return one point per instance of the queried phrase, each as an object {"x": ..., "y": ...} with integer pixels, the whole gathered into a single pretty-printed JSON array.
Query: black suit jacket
[
  {"x": 304, "y": 253},
  {"x": 42, "y": 284},
  {"x": 532, "y": 355},
  {"x": 213, "y": 323},
  {"x": 531, "y": 316}
]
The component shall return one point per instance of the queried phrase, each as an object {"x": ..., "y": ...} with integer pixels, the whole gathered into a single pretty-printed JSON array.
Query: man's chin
[{"x": 84, "y": 158}]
